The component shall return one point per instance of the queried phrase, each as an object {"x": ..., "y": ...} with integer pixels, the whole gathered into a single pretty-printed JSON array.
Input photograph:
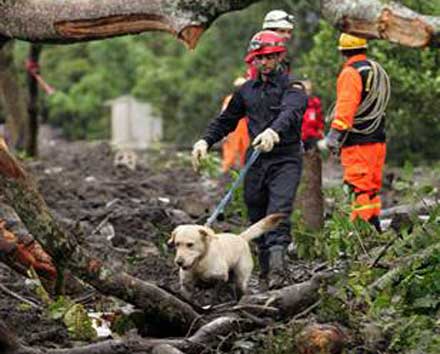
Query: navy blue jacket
[{"x": 277, "y": 103}]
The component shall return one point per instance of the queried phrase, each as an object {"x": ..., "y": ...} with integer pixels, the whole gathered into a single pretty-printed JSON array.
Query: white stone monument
[{"x": 134, "y": 125}]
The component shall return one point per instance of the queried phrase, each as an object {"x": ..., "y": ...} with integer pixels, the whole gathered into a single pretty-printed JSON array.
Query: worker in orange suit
[
  {"x": 236, "y": 143},
  {"x": 358, "y": 127}
]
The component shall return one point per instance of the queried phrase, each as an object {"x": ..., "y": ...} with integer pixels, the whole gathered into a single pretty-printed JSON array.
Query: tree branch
[
  {"x": 218, "y": 328},
  {"x": 67, "y": 21},
  {"x": 375, "y": 19},
  {"x": 18, "y": 191}
]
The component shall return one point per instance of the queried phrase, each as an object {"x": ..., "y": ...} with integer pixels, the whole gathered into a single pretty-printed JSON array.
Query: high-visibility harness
[
  {"x": 378, "y": 94},
  {"x": 378, "y": 90}
]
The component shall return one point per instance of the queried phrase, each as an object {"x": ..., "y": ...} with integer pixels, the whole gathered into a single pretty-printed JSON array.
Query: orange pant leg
[{"x": 363, "y": 166}]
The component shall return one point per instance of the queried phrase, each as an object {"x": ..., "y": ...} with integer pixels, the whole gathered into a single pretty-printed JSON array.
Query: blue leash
[{"x": 227, "y": 198}]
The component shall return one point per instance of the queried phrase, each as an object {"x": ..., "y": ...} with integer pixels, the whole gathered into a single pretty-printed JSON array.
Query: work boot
[
  {"x": 263, "y": 260},
  {"x": 277, "y": 272},
  {"x": 375, "y": 221}
]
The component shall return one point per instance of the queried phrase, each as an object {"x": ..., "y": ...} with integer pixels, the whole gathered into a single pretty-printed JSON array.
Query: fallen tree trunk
[
  {"x": 383, "y": 20},
  {"x": 18, "y": 248},
  {"x": 222, "y": 329},
  {"x": 19, "y": 191},
  {"x": 68, "y": 21},
  {"x": 421, "y": 207}
]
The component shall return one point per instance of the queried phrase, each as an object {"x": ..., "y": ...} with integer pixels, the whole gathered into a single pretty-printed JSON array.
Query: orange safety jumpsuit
[
  {"x": 235, "y": 144},
  {"x": 362, "y": 156}
]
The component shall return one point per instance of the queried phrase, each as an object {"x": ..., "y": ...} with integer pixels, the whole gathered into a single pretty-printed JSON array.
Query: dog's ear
[
  {"x": 170, "y": 242},
  {"x": 205, "y": 235}
]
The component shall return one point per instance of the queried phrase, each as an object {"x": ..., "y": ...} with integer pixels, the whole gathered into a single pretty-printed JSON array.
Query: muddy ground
[
  {"x": 125, "y": 217},
  {"x": 121, "y": 216}
]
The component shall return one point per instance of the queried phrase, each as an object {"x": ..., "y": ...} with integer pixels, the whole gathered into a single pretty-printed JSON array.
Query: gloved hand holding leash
[{"x": 263, "y": 142}]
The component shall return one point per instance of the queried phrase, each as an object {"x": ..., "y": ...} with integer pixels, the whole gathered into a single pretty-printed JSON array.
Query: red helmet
[{"x": 265, "y": 42}]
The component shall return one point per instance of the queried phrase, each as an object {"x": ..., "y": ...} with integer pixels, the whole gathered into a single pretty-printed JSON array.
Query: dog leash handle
[{"x": 227, "y": 198}]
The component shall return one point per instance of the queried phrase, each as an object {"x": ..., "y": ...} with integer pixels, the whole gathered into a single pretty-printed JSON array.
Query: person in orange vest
[
  {"x": 235, "y": 145},
  {"x": 313, "y": 121},
  {"x": 358, "y": 127}
]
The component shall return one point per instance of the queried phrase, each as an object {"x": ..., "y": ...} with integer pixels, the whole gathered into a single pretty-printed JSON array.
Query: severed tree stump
[{"x": 310, "y": 200}]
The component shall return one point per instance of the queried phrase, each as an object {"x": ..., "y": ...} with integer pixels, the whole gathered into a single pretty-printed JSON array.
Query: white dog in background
[{"x": 201, "y": 254}]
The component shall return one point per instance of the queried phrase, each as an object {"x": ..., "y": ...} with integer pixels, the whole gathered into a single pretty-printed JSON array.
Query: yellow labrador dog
[{"x": 201, "y": 254}]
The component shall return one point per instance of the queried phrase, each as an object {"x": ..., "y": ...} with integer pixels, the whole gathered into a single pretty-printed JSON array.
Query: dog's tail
[{"x": 264, "y": 225}]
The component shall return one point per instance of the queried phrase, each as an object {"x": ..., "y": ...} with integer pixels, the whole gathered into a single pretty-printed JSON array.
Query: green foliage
[
  {"x": 339, "y": 238},
  {"x": 124, "y": 323},
  {"x": 75, "y": 317},
  {"x": 58, "y": 308},
  {"x": 237, "y": 205},
  {"x": 406, "y": 306},
  {"x": 86, "y": 76},
  {"x": 79, "y": 324},
  {"x": 210, "y": 166},
  {"x": 279, "y": 341},
  {"x": 333, "y": 309}
]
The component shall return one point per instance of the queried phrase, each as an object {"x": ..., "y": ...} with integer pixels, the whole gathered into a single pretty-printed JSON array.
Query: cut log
[
  {"x": 291, "y": 299},
  {"x": 217, "y": 329},
  {"x": 321, "y": 338},
  {"x": 421, "y": 207},
  {"x": 68, "y": 21},
  {"x": 19, "y": 250},
  {"x": 19, "y": 191},
  {"x": 383, "y": 20},
  {"x": 310, "y": 199}
]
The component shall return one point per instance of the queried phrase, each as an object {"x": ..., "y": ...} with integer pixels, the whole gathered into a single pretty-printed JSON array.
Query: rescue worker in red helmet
[
  {"x": 358, "y": 127},
  {"x": 282, "y": 23},
  {"x": 274, "y": 106}
]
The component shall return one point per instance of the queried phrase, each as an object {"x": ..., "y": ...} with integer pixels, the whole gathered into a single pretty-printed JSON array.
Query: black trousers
[{"x": 270, "y": 187}]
